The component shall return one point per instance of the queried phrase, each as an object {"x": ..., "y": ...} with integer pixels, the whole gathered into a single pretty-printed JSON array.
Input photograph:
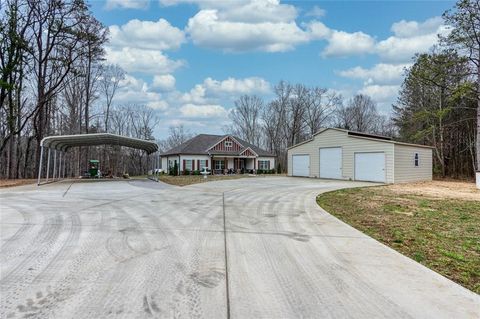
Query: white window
[
  {"x": 228, "y": 144},
  {"x": 264, "y": 165},
  {"x": 188, "y": 165},
  {"x": 203, "y": 163},
  {"x": 416, "y": 160},
  {"x": 220, "y": 164}
]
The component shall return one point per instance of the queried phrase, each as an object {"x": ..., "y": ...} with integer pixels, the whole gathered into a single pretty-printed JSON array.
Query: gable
[
  {"x": 248, "y": 152},
  {"x": 227, "y": 144}
]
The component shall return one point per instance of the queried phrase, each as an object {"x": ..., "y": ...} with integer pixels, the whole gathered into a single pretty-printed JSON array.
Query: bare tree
[
  {"x": 176, "y": 136},
  {"x": 245, "y": 118},
  {"x": 359, "y": 115},
  {"x": 320, "y": 106},
  {"x": 109, "y": 82}
]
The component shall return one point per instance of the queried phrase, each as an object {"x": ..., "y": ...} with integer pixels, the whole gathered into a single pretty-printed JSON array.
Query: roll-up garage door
[
  {"x": 331, "y": 162},
  {"x": 370, "y": 167},
  {"x": 301, "y": 165}
]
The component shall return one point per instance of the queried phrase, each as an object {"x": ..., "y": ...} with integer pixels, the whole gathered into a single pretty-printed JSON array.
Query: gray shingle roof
[{"x": 202, "y": 142}]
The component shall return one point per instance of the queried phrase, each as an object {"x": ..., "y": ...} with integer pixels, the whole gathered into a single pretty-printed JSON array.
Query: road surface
[{"x": 246, "y": 248}]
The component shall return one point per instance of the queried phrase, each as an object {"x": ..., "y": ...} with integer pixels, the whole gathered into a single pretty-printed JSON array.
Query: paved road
[{"x": 138, "y": 249}]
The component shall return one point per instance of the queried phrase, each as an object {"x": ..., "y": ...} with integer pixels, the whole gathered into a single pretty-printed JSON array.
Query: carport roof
[{"x": 64, "y": 142}]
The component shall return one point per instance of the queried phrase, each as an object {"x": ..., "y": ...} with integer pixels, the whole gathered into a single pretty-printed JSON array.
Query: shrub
[
  {"x": 196, "y": 172},
  {"x": 186, "y": 172}
]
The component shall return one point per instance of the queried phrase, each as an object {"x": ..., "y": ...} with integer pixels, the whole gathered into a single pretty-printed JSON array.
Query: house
[
  {"x": 341, "y": 154},
  {"x": 220, "y": 153}
]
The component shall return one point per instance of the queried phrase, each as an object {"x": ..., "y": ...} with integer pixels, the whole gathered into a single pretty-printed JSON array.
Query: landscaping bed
[
  {"x": 184, "y": 180},
  {"x": 16, "y": 182},
  {"x": 435, "y": 223}
]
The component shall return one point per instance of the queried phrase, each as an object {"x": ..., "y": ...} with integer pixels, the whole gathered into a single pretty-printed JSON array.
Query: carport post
[
  {"x": 40, "y": 166},
  {"x": 59, "y": 175},
  {"x": 54, "y": 164},
  {"x": 48, "y": 164},
  {"x": 64, "y": 163}
]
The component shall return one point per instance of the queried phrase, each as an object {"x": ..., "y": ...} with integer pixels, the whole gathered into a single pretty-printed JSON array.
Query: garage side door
[
  {"x": 370, "y": 167},
  {"x": 301, "y": 165},
  {"x": 331, "y": 162}
]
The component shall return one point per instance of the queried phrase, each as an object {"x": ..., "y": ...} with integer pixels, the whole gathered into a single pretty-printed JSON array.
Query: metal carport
[{"x": 62, "y": 143}]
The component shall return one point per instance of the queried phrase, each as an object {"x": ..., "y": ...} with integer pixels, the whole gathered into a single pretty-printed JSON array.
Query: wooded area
[{"x": 55, "y": 81}]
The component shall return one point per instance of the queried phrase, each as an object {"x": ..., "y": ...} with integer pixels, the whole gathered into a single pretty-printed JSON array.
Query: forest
[{"x": 54, "y": 80}]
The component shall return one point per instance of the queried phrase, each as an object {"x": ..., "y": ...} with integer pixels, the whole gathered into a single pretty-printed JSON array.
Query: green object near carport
[{"x": 93, "y": 167}]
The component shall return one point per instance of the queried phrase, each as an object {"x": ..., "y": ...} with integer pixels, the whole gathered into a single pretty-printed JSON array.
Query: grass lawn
[
  {"x": 442, "y": 233},
  {"x": 184, "y": 180}
]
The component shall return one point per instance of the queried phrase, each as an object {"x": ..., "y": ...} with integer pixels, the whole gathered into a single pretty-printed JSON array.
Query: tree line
[
  {"x": 54, "y": 81},
  {"x": 297, "y": 112}
]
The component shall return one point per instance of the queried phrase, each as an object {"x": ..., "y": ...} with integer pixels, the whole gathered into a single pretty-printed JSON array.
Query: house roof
[
  {"x": 201, "y": 144},
  {"x": 64, "y": 142},
  {"x": 354, "y": 134}
]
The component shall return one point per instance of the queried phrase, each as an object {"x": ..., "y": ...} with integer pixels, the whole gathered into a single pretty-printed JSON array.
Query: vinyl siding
[
  {"x": 405, "y": 170},
  {"x": 350, "y": 145}
]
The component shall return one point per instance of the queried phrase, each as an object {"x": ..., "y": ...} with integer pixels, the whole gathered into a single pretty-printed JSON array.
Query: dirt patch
[
  {"x": 438, "y": 189},
  {"x": 15, "y": 182}
]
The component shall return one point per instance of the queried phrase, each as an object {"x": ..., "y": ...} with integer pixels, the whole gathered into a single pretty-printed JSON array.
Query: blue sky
[{"x": 190, "y": 59}]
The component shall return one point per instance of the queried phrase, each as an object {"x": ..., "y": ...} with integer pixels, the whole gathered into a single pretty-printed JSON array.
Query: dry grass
[
  {"x": 435, "y": 223},
  {"x": 184, "y": 180},
  {"x": 15, "y": 182}
]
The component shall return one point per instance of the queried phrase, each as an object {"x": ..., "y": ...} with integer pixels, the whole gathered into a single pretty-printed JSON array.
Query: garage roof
[
  {"x": 355, "y": 134},
  {"x": 64, "y": 142}
]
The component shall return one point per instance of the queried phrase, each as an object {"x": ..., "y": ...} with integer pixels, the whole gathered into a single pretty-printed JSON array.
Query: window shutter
[
  {"x": 184, "y": 166},
  {"x": 198, "y": 164},
  {"x": 206, "y": 163}
]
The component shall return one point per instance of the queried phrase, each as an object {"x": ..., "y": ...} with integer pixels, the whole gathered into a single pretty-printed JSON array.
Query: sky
[{"x": 191, "y": 59}]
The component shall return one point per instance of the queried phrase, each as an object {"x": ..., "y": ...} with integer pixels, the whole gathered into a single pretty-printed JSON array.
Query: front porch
[{"x": 228, "y": 165}]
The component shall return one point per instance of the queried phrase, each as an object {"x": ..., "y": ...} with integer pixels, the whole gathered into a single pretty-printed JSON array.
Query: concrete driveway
[{"x": 139, "y": 249}]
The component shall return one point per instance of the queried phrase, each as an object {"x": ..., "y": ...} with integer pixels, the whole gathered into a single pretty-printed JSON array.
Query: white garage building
[{"x": 342, "y": 154}]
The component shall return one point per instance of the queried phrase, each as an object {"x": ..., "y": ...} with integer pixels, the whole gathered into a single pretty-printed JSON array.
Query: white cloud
[
  {"x": 154, "y": 35},
  {"x": 247, "y": 11},
  {"x": 341, "y": 43},
  {"x": 381, "y": 73},
  {"x": 381, "y": 93},
  {"x": 317, "y": 12},
  {"x": 207, "y": 29},
  {"x": 135, "y": 91},
  {"x": 237, "y": 86},
  {"x": 158, "y": 105},
  {"x": 196, "y": 95},
  {"x": 138, "y": 60},
  {"x": 317, "y": 30},
  {"x": 408, "y": 29},
  {"x": 164, "y": 82},
  {"x": 395, "y": 49},
  {"x": 126, "y": 4},
  {"x": 203, "y": 111}
]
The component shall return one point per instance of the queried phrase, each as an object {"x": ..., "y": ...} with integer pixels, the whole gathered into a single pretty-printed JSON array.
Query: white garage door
[
  {"x": 331, "y": 162},
  {"x": 301, "y": 165},
  {"x": 370, "y": 167}
]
